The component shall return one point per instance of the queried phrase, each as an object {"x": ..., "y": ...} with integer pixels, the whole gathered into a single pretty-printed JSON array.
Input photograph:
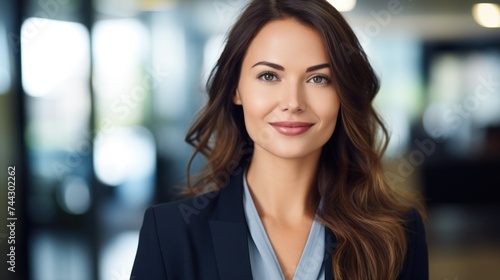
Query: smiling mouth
[{"x": 292, "y": 128}]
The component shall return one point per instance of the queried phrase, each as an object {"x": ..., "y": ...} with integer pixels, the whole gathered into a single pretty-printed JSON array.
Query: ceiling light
[
  {"x": 343, "y": 5},
  {"x": 487, "y": 14}
]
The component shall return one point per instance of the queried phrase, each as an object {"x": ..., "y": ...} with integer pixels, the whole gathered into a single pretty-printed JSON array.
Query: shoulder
[
  {"x": 172, "y": 233},
  {"x": 416, "y": 264},
  {"x": 179, "y": 224},
  {"x": 180, "y": 232},
  {"x": 415, "y": 230},
  {"x": 189, "y": 211},
  {"x": 225, "y": 203},
  {"x": 414, "y": 222}
]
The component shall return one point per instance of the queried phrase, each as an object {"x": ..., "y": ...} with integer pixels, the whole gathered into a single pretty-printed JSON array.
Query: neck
[{"x": 283, "y": 189}]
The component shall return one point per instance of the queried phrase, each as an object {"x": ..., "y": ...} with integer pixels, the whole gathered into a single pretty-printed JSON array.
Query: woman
[{"x": 293, "y": 187}]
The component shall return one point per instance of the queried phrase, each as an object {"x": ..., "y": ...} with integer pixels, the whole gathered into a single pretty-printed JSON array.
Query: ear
[{"x": 237, "y": 98}]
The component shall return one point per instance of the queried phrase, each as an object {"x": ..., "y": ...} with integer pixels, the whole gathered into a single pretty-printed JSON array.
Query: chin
[{"x": 285, "y": 151}]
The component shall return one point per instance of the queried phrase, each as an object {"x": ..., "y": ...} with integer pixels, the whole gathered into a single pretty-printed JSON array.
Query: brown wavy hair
[{"x": 366, "y": 215}]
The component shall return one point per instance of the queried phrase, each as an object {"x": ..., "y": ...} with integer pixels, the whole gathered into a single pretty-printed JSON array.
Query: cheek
[
  {"x": 254, "y": 108},
  {"x": 257, "y": 101},
  {"x": 254, "y": 112},
  {"x": 329, "y": 114},
  {"x": 327, "y": 109}
]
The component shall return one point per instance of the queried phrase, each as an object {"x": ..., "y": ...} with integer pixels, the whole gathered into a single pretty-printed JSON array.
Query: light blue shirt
[{"x": 263, "y": 260}]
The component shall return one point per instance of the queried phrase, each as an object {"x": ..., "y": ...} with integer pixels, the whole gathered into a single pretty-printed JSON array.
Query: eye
[
  {"x": 268, "y": 77},
  {"x": 319, "y": 80}
]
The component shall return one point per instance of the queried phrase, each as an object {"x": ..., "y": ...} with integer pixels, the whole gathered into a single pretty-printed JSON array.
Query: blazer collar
[
  {"x": 230, "y": 205},
  {"x": 229, "y": 230},
  {"x": 330, "y": 246}
]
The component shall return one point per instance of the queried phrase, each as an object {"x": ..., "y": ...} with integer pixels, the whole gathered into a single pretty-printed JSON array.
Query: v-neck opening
[{"x": 261, "y": 240}]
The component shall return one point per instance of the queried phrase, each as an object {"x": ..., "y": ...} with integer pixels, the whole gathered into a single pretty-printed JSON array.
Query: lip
[{"x": 292, "y": 128}]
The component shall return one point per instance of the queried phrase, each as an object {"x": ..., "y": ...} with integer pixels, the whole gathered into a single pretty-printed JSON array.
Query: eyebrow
[{"x": 281, "y": 68}]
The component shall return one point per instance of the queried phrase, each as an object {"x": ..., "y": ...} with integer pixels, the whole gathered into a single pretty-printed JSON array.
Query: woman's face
[{"x": 285, "y": 87}]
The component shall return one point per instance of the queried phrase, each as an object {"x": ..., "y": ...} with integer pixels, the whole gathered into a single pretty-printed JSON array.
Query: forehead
[{"x": 287, "y": 42}]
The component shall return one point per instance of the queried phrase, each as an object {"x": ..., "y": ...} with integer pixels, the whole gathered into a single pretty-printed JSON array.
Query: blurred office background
[{"x": 96, "y": 96}]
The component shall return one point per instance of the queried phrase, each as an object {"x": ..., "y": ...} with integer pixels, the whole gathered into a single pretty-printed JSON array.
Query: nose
[{"x": 292, "y": 98}]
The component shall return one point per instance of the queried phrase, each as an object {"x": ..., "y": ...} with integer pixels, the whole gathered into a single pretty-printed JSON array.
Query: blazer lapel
[
  {"x": 330, "y": 246},
  {"x": 230, "y": 233}
]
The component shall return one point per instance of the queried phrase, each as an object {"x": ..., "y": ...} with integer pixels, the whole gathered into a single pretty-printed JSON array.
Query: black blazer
[{"x": 206, "y": 237}]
